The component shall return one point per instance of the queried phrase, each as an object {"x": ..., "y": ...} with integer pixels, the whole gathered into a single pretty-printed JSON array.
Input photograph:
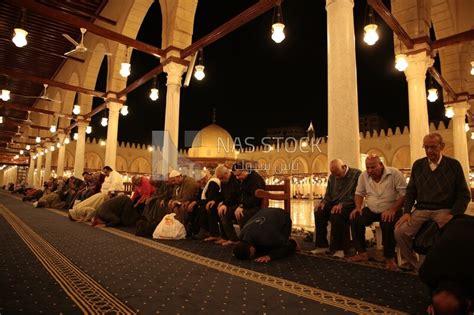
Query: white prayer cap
[{"x": 174, "y": 173}]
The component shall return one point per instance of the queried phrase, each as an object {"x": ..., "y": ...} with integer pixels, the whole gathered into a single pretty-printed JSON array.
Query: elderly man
[
  {"x": 186, "y": 189},
  {"x": 337, "y": 204},
  {"x": 248, "y": 205},
  {"x": 438, "y": 190},
  {"x": 384, "y": 191}
]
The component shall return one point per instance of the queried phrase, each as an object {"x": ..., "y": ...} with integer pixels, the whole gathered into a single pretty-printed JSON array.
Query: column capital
[
  {"x": 175, "y": 72},
  {"x": 459, "y": 108},
  {"x": 346, "y": 2},
  {"x": 418, "y": 64},
  {"x": 114, "y": 106}
]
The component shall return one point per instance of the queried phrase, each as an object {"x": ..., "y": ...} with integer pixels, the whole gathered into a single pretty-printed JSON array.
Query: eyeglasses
[{"x": 431, "y": 147}]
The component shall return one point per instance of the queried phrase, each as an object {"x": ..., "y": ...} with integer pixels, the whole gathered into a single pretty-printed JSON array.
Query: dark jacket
[
  {"x": 269, "y": 231},
  {"x": 231, "y": 191},
  {"x": 247, "y": 190},
  {"x": 451, "y": 257}
]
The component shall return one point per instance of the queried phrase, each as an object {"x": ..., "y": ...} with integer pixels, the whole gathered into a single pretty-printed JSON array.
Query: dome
[{"x": 212, "y": 141}]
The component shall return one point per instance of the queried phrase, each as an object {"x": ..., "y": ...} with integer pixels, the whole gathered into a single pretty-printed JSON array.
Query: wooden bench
[{"x": 269, "y": 194}]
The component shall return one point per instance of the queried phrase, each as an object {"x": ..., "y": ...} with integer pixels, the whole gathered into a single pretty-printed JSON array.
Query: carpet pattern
[
  {"x": 194, "y": 276},
  {"x": 157, "y": 281}
]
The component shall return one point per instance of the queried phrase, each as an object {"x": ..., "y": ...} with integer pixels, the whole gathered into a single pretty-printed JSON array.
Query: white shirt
[
  {"x": 382, "y": 195},
  {"x": 112, "y": 182},
  {"x": 434, "y": 166}
]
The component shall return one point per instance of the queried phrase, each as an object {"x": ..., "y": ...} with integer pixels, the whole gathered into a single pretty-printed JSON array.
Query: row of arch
[{"x": 93, "y": 161}]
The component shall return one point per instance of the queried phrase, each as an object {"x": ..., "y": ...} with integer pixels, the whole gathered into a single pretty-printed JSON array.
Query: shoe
[
  {"x": 391, "y": 265},
  {"x": 338, "y": 254},
  {"x": 359, "y": 257},
  {"x": 319, "y": 251}
]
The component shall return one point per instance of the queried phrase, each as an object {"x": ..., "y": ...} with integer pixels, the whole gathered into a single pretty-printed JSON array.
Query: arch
[
  {"x": 280, "y": 166},
  {"x": 121, "y": 164},
  {"x": 140, "y": 165},
  {"x": 320, "y": 164},
  {"x": 92, "y": 161},
  {"x": 401, "y": 158},
  {"x": 299, "y": 165}
]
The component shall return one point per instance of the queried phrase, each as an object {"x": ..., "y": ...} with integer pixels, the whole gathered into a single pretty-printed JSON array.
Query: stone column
[
  {"x": 170, "y": 141},
  {"x": 47, "y": 164},
  {"x": 61, "y": 154},
  {"x": 39, "y": 162},
  {"x": 31, "y": 171},
  {"x": 343, "y": 115},
  {"x": 80, "y": 149},
  {"x": 112, "y": 132},
  {"x": 311, "y": 187},
  {"x": 459, "y": 136},
  {"x": 418, "y": 110}
]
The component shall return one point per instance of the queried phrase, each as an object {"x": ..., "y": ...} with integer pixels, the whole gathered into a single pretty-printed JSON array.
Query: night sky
[{"x": 249, "y": 78}]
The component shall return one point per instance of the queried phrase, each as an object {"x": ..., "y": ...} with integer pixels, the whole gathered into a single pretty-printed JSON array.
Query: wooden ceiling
[{"x": 42, "y": 57}]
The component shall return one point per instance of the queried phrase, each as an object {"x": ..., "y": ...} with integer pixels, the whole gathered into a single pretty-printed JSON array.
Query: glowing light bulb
[
  {"x": 5, "y": 95},
  {"x": 124, "y": 110},
  {"x": 38, "y": 139},
  {"x": 125, "y": 69},
  {"x": 278, "y": 34},
  {"x": 401, "y": 62},
  {"x": 449, "y": 112},
  {"x": 154, "y": 94},
  {"x": 370, "y": 34},
  {"x": 432, "y": 95},
  {"x": 53, "y": 128},
  {"x": 199, "y": 72},
  {"x": 89, "y": 130},
  {"x": 104, "y": 121},
  {"x": 76, "y": 110},
  {"x": 19, "y": 39}
]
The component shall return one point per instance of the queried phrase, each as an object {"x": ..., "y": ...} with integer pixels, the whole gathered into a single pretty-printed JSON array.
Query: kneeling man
[
  {"x": 384, "y": 191},
  {"x": 266, "y": 236}
]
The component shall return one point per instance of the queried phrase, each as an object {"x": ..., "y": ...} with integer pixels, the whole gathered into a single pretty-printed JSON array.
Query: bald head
[{"x": 337, "y": 168}]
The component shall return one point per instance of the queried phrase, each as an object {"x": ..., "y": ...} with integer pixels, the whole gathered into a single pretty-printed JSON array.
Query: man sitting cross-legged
[
  {"x": 266, "y": 236},
  {"x": 384, "y": 191}
]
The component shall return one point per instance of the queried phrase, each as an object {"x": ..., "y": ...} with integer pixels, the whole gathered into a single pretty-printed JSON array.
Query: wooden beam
[
  {"x": 454, "y": 39},
  {"x": 251, "y": 13},
  {"x": 95, "y": 111},
  {"x": 444, "y": 84},
  {"x": 149, "y": 75},
  {"x": 75, "y": 21},
  {"x": 139, "y": 82},
  {"x": 390, "y": 20},
  {"x": 28, "y": 77}
]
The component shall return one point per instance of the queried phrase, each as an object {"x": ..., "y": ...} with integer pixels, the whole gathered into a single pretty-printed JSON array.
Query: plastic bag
[
  {"x": 426, "y": 237},
  {"x": 170, "y": 229}
]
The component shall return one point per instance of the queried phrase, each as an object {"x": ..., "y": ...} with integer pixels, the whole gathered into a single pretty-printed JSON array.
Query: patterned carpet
[{"x": 138, "y": 275}]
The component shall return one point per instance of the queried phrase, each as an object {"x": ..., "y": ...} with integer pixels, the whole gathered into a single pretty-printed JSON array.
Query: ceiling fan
[
  {"x": 79, "y": 47},
  {"x": 43, "y": 96}
]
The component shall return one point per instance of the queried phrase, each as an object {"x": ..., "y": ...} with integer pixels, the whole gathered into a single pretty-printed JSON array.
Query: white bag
[{"x": 170, "y": 229}]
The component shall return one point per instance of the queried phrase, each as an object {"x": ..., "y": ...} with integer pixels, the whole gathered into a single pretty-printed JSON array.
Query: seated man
[
  {"x": 438, "y": 191},
  {"x": 185, "y": 192},
  {"x": 447, "y": 269},
  {"x": 266, "y": 236},
  {"x": 384, "y": 191},
  {"x": 336, "y": 206},
  {"x": 248, "y": 205},
  {"x": 142, "y": 191}
]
